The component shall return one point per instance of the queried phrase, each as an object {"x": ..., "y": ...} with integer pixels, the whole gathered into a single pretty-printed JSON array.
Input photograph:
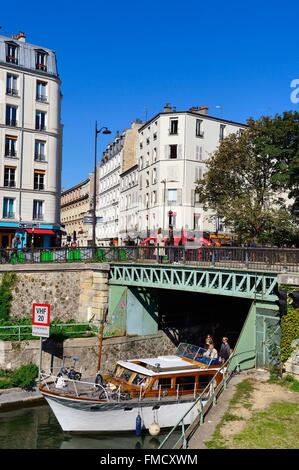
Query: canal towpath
[{"x": 12, "y": 398}]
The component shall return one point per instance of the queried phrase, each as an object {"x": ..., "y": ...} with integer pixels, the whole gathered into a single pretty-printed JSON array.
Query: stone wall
[
  {"x": 14, "y": 354},
  {"x": 78, "y": 291}
]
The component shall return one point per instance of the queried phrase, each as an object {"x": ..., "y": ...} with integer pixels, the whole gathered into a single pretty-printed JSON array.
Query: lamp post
[{"x": 102, "y": 130}]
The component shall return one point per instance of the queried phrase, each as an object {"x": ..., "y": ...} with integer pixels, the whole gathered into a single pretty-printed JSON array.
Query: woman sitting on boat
[{"x": 210, "y": 356}]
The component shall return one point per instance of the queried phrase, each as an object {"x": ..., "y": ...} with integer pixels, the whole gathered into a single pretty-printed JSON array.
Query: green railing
[
  {"x": 24, "y": 332},
  {"x": 209, "y": 396}
]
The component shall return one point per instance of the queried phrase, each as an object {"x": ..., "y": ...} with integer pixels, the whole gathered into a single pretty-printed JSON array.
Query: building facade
[
  {"x": 128, "y": 207},
  {"x": 172, "y": 150},
  {"x": 76, "y": 213},
  {"x": 30, "y": 143},
  {"x": 118, "y": 157}
]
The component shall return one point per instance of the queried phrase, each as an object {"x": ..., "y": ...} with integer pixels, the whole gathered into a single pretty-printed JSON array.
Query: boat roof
[{"x": 151, "y": 373}]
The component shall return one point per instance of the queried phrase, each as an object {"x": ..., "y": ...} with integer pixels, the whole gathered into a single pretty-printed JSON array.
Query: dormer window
[
  {"x": 41, "y": 60},
  {"x": 12, "y": 52}
]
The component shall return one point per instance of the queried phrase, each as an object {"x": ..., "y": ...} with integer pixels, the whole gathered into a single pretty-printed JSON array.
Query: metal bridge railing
[
  {"x": 263, "y": 258},
  {"x": 202, "y": 404}
]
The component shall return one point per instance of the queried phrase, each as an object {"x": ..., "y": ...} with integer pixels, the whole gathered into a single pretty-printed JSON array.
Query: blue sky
[{"x": 121, "y": 60}]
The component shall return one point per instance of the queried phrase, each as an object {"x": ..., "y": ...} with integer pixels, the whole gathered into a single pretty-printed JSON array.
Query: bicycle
[{"x": 70, "y": 372}]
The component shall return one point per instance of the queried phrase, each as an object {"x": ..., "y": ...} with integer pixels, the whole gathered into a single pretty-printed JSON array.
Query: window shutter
[
  {"x": 197, "y": 153},
  {"x": 179, "y": 151},
  {"x": 179, "y": 196},
  {"x": 200, "y": 152},
  {"x": 167, "y": 151},
  {"x": 192, "y": 197}
]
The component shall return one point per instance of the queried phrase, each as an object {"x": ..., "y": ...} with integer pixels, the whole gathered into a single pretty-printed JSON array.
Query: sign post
[{"x": 41, "y": 327}]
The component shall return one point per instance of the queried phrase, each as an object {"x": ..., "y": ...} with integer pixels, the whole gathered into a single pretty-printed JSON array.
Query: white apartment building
[
  {"x": 118, "y": 157},
  {"x": 128, "y": 208},
  {"x": 30, "y": 143},
  {"x": 172, "y": 149}
]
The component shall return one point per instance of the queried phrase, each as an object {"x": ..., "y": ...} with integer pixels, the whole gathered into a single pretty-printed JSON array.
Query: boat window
[
  {"x": 186, "y": 383},
  {"x": 140, "y": 379},
  {"x": 119, "y": 371},
  {"x": 164, "y": 382},
  {"x": 204, "y": 380},
  {"x": 126, "y": 375}
]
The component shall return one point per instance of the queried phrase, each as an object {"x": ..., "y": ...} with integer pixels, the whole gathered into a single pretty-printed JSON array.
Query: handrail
[
  {"x": 94, "y": 325},
  {"x": 44, "y": 376},
  {"x": 212, "y": 392},
  {"x": 266, "y": 258}
]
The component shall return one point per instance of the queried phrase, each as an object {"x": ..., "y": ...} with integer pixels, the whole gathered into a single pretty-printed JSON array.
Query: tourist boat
[{"x": 158, "y": 389}]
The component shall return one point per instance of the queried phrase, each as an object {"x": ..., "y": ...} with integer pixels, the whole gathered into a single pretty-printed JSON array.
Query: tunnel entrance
[{"x": 189, "y": 317}]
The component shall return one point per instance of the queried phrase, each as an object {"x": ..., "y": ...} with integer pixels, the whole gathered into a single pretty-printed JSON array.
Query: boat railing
[
  {"x": 48, "y": 379},
  {"x": 206, "y": 399}
]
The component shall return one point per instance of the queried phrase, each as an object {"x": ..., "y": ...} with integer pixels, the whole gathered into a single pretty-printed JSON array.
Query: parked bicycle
[{"x": 71, "y": 371}]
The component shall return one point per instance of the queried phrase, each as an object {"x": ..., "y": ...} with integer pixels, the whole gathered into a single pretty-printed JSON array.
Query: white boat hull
[{"x": 77, "y": 417}]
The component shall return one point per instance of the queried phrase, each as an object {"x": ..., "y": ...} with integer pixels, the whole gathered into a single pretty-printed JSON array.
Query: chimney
[
  {"x": 167, "y": 108},
  {"x": 20, "y": 36},
  {"x": 203, "y": 110},
  {"x": 199, "y": 109},
  {"x": 174, "y": 109}
]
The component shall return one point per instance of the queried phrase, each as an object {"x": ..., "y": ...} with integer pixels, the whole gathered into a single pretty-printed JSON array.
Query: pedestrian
[
  {"x": 225, "y": 350},
  {"x": 211, "y": 352},
  {"x": 160, "y": 250},
  {"x": 15, "y": 245}
]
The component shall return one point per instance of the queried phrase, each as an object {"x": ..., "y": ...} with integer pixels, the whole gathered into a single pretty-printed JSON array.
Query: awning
[{"x": 40, "y": 231}]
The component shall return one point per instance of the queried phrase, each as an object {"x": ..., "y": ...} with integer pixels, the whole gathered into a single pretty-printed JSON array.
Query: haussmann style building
[{"x": 30, "y": 143}]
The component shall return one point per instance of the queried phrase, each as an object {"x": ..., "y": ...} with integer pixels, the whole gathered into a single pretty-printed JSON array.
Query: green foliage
[
  {"x": 6, "y": 286},
  {"x": 289, "y": 331},
  {"x": 25, "y": 376},
  {"x": 287, "y": 381},
  {"x": 246, "y": 176}
]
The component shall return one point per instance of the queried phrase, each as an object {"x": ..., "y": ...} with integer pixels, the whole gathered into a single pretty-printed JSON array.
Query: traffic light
[
  {"x": 282, "y": 301},
  {"x": 294, "y": 298}
]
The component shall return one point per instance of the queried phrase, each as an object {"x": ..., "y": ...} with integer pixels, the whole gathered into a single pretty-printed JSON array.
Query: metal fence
[
  {"x": 271, "y": 259},
  {"x": 24, "y": 332}
]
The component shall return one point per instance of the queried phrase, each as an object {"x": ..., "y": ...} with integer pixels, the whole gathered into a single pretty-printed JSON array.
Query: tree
[{"x": 250, "y": 177}]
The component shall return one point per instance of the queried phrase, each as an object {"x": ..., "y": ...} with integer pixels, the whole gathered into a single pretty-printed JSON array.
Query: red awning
[{"x": 40, "y": 231}]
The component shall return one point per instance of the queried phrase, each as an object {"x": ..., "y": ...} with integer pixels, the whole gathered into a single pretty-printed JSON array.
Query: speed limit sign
[{"x": 41, "y": 320}]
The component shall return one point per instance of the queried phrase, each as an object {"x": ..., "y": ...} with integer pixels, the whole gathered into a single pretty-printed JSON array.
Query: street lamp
[{"x": 103, "y": 130}]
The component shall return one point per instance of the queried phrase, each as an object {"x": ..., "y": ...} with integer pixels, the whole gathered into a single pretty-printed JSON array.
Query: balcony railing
[
  {"x": 9, "y": 184},
  {"x": 42, "y": 98},
  {"x": 38, "y": 217},
  {"x": 41, "y": 67},
  {"x": 39, "y": 127},
  {"x": 11, "y": 122},
  {"x": 39, "y": 187},
  {"x": 10, "y": 154},
  {"x": 12, "y": 91},
  {"x": 11, "y": 59},
  {"x": 38, "y": 157},
  {"x": 9, "y": 215}
]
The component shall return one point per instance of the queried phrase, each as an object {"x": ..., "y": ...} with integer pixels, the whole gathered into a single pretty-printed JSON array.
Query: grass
[
  {"x": 242, "y": 394},
  {"x": 275, "y": 428},
  {"x": 287, "y": 381}
]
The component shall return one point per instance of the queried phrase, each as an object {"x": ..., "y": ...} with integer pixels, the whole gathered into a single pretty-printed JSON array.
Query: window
[
  {"x": 155, "y": 154},
  {"x": 141, "y": 145},
  {"x": 173, "y": 151},
  {"x": 172, "y": 196},
  {"x": 140, "y": 163},
  {"x": 11, "y": 115},
  {"x": 173, "y": 126},
  {"x": 12, "y": 85},
  {"x": 154, "y": 197},
  {"x": 41, "y": 91},
  {"x": 199, "y": 132},
  {"x": 9, "y": 177},
  {"x": 147, "y": 141},
  {"x": 154, "y": 180},
  {"x": 11, "y": 53},
  {"x": 221, "y": 134},
  {"x": 185, "y": 383},
  {"x": 163, "y": 382},
  {"x": 39, "y": 180},
  {"x": 10, "y": 146},
  {"x": 41, "y": 60},
  {"x": 8, "y": 208},
  {"x": 38, "y": 210},
  {"x": 40, "y": 120},
  {"x": 40, "y": 151},
  {"x": 198, "y": 173},
  {"x": 155, "y": 136}
]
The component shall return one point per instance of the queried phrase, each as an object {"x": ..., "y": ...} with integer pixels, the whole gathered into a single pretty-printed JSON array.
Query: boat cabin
[{"x": 187, "y": 372}]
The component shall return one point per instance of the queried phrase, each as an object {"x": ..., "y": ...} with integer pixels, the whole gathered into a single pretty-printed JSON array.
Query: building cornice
[
  {"x": 78, "y": 185},
  {"x": 20, "y": 68}
]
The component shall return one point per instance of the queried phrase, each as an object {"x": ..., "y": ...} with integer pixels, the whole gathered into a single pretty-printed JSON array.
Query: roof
[
  {"x": 167, "y": 364},
  {"x": 201, "y": 116}
]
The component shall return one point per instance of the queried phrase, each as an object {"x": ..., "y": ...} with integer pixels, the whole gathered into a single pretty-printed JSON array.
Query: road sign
[{"x": 41, "y": 320}]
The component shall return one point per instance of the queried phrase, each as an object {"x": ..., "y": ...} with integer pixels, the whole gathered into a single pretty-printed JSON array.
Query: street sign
[
  {"x": 41, "y": 320},
  {"x": 87, "y": 219}
]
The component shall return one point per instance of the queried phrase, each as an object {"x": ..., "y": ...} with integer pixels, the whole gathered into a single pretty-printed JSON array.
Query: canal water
[{"x": 37, "y": 428}]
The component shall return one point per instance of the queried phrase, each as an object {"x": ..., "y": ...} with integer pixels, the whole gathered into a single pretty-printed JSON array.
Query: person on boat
[
  {"x": 208, "y": 340},
  {"x": 225, "y": 350},
  {"x": 211, "y": 352}
]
